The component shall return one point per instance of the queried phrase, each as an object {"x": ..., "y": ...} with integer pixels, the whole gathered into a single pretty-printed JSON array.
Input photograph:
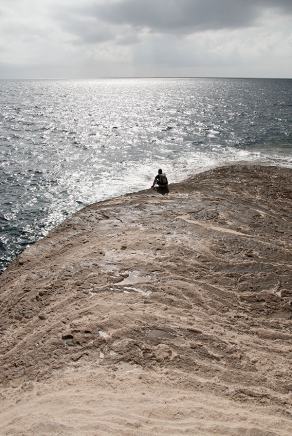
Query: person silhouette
[{"x": 160, "y": 182}]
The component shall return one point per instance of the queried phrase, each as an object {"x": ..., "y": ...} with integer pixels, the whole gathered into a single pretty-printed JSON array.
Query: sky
[{"x": 141, "y": 38}]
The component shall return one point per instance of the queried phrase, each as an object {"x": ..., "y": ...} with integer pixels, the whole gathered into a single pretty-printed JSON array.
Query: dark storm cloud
[{"x": 186, "y": 16}]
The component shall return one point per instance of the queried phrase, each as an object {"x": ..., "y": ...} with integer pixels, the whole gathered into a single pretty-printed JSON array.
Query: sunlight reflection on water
[{"x": 65, "y": 144}]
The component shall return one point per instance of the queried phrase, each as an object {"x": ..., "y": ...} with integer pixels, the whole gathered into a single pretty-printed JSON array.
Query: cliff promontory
[{"x": 156, "y": 314}]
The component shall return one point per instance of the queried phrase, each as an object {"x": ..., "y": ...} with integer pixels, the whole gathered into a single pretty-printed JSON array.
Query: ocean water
[{"x": 66, "y": 144}]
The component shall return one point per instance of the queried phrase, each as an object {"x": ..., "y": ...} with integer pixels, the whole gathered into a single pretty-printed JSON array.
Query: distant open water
[{"x": 65, "y": 144}]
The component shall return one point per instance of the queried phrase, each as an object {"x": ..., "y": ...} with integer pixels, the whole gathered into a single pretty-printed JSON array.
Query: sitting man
[{"x": 161, "y": 181}]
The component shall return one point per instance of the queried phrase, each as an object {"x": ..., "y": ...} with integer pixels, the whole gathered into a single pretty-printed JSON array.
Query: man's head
[{"x": 160, "y": 171}]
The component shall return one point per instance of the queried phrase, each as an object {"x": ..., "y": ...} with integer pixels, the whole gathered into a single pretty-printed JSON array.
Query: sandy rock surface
[{"x": 150, "y": 314}]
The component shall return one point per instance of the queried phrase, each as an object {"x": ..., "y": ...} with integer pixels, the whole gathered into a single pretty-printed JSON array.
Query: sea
[{"x": 66, "y": 144}]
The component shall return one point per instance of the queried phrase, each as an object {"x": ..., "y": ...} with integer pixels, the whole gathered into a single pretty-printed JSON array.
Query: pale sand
[
  {"x": 150, "y": 315},
  {"x": 129, "y": 401}
]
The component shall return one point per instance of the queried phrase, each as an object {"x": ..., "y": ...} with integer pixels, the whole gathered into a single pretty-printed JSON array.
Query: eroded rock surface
[{"x": 195, "y": 285}]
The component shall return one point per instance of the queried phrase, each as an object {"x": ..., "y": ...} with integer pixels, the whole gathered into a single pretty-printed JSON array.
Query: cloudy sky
[{"x": 97, "y": 38}]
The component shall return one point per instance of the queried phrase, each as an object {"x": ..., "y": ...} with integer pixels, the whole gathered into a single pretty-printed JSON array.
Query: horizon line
[{"x": 145, "y": 77}]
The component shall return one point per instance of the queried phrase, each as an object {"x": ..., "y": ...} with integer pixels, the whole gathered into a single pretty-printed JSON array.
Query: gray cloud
[
  {"x": 186, "y": 16},
  {"x": 286, "y": 5},
  {"x": 122, "y": 21},
  {"x": 88, "y": 31},
  {"x": 145, "y": 37},
  {"x": 173, "y": 16}
]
